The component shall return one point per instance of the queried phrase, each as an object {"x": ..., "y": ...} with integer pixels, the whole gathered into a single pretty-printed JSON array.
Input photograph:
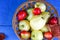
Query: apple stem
[{"x": 22, "y": 26}]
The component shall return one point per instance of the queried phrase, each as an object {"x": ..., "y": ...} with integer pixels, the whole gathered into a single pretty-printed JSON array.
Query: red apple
[
  {"x": 2, "y": 36},
  {"x": 25, "y": 34},
  {"x": 21, "y": 15},
  {"x": 53, "y": 20},
  {"x": 48, "y": 35},
  {"x": 36, "y": 11}
]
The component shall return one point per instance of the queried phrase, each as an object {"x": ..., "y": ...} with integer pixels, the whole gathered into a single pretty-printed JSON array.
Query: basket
[{"x": 25, "y": 6}]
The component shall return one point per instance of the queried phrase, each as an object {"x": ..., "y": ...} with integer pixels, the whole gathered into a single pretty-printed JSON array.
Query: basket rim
[{"x": 18, "y": 8}]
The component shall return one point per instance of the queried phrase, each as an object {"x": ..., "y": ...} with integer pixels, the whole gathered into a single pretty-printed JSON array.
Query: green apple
[
  {"x": 41, "y": 5},
  {"x": 36, "y": 35},
  {"x": 39, "y": 21},
  {"x": 24, "y": 25},
  {"x": 44, "y": 29},
  {"x": 30, "y": 14}
]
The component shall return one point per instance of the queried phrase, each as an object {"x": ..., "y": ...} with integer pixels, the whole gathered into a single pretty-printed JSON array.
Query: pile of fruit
[{"x": 33, "y": 22}]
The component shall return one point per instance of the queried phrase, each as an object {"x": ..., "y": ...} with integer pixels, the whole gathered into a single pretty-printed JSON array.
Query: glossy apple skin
[
  {"x": 48, "y": 35},
  {"x": 21, "y": 15},
  {"x": 24, "y": 25},
  {"x": 24, "y": 34},
  {"x": 41, "y": 5},
  {"x": 36, "y": 35},
  {"x": 36, "y": 11},
  {"x": 53, "y": 20}
]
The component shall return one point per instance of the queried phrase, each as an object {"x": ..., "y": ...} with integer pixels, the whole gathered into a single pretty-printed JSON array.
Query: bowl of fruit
[{"x": 35, "y": 20}]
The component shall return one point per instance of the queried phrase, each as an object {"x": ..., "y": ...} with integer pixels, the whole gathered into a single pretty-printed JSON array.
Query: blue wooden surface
[
  {"x": 7, "y": 9},
  {"x": 8, "y": 31}
]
